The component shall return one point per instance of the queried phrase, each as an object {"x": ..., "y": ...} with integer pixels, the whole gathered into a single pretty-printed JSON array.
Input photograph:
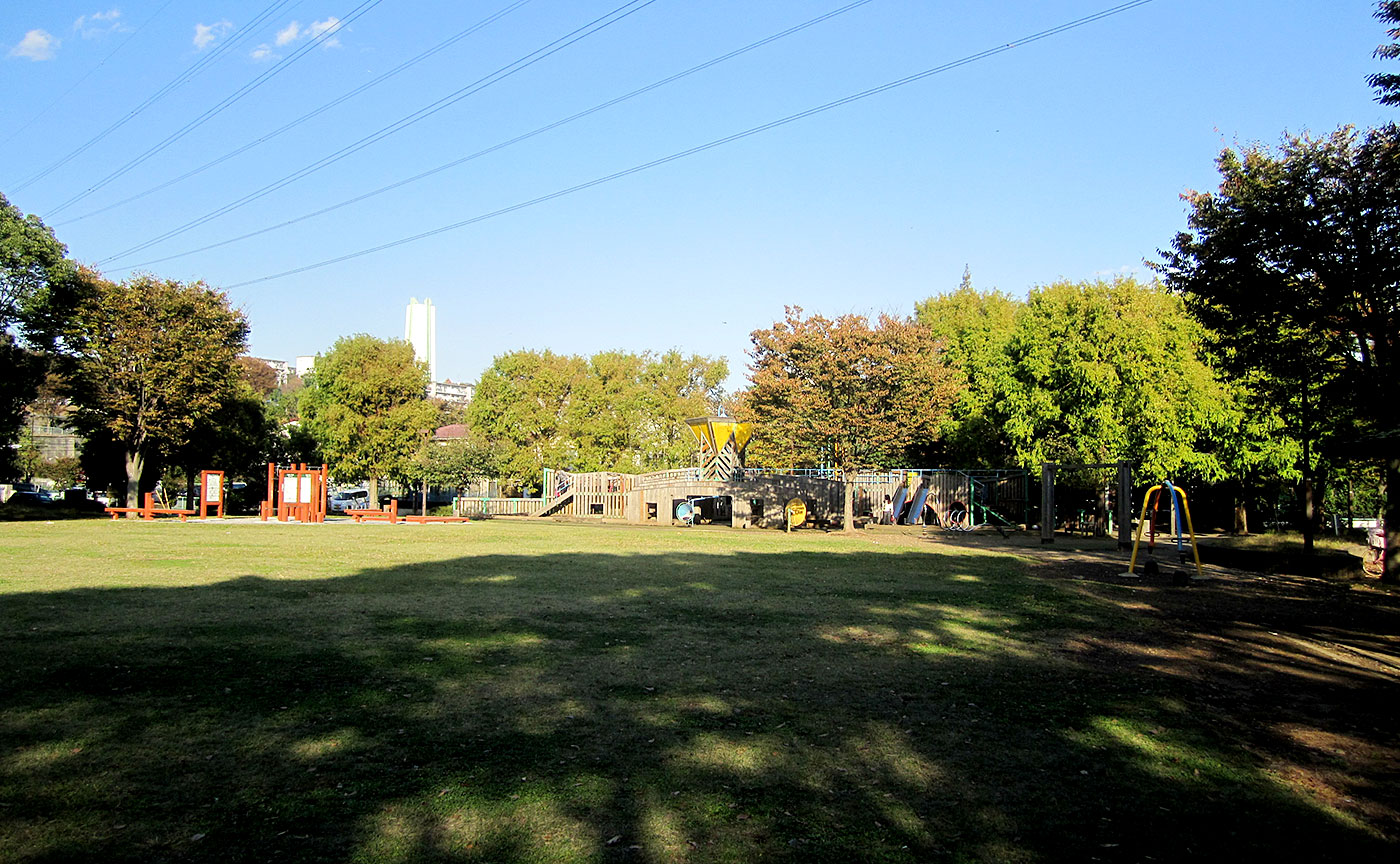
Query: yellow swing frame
[{"x": 1142, "y": 521}]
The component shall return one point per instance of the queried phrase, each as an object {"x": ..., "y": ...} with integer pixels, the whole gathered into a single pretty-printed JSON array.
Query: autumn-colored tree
[
  {"x": 261, "y": 377},
  {"x": 151, "y": 359},
  {"x": 366, "y": 405},
  {"x": 844, "y": 393}
]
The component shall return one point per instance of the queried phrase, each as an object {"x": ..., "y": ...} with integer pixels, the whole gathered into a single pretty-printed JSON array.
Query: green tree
[
  {"x": 151, "y": 360},
  {"x": 28, "y": 458},
  {"x": 1387, "y": 84},
  {"x": 366, "y": 405},
  {"x": 1106, "y": 371},
  {"x": 682, "y": 386},
  {"x": 976, "y": 329},
  {"x": 239, "y": 438},
  {"x": 1295, "y": 263},
  {"x": 39, "y": 287},
  {"x": 844, "y": 393},
  {"x": 66, "y": 471},
  {"x": 615, "y": 411},
  {"x": 452, "y": 464},
  {"x": 521, "y": 410}
]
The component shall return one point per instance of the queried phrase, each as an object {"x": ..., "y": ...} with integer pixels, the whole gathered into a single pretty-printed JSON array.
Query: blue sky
[{"x": 1058, "y": 158}]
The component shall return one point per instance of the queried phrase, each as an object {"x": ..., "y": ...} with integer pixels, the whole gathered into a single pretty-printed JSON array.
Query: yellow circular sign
[{"x": 796, "y": 511}]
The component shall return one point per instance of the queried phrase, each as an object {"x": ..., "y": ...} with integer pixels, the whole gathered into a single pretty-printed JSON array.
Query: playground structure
[
  {"x": 297, "y": 493},
  {"x": 720, "y": 489},
  {"x": 1121, "y": 495},
  {"x": 1179, "y": 509},
  {"x": 153, "y": 504},
  {"x": 954, "y": 499},
  {"x": 723, "y": 489}
]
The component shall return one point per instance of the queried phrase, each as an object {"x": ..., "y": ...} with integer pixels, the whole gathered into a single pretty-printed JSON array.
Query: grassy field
[{"x": 532, "y": 692}]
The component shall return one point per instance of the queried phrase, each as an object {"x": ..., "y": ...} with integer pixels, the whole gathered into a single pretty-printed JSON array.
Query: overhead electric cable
[
  {"x": 441, "y": 46},
  {"x": 519, "y": 138},
  {"x": 281, "y": 66},
  {"x": 88, "y": 74},
  {"x": 399, "y": 125},
  {"x": 718, "y": 142},
  {"x": 238, "y": 36}
]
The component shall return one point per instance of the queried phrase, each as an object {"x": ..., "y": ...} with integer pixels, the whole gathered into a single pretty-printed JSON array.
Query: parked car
[{"x": 349, "y": 499}]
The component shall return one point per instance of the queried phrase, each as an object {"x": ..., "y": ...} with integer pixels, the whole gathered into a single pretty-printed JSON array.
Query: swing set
[{"x": 1179, "y": 508}]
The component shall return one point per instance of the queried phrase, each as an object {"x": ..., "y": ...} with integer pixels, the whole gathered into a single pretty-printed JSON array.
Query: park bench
[{"x": 390, "y": 515}]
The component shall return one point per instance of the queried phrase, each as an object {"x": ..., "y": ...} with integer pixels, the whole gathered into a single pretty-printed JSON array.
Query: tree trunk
[
  {"x": 135, "y": 464},
  {"x": 423, "y": 507},
  {"x": 190, "y": 501},
  {"x": 1390, "y": 573},
  {"x": 1241, "y": 519},
  {"x": 1100, "y": 511},
  {"x": 848, "y": 519},
  {"x": 1309, "y": 508},
  {"x": 373, "y": 492}
]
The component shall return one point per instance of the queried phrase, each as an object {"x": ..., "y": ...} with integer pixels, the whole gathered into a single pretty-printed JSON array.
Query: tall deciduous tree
[
  {"x": 38, "y": 288},
  {"x": 261, "y": 377},
  {"x": 1295, "y": 262},
  {"x": 152, "y": 359},
  {"x": 1106, "y": 371},
  {"x": 615, "y": 411},
  {"x": 521, "y": 410},
  {"x": 844, "y": 393},
  {"x": 366, "y": 405},
  {"x": 1387, "y": 84},
  {"x": 976, "y": 329}
]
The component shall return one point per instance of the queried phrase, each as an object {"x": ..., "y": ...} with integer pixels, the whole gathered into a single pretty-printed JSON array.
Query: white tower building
[{"x": 420, "y": 331}]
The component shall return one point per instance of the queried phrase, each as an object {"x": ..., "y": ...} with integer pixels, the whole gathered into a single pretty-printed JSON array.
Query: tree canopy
[
  {"x": 615, "y": 411},
  {"x": 1106, "y": 371},
  {"x": 366, "y": 405},
  {"x": 39, "y": 287},
  {"x": 975, "y": 328},
  {"x": 845, "y": 393},
  {"x": 1387, "y": 84},
  {"x": 150, "y": 361},
  {"x": 1295, "y": 263}
]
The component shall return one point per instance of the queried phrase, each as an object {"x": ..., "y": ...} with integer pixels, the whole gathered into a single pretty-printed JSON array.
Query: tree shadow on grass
[{"x": 663, "y": 707}]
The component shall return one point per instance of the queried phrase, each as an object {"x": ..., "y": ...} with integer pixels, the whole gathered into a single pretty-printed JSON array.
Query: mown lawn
[{"x": 532, "y": 692}]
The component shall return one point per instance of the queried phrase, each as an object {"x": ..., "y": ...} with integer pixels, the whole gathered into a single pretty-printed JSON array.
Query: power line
[
  {"x": 441, "y": 46},
  {"x": 399, "y": 125},
  {"x": 239, "y": 36},
  {"x": 281, "y": 66},
  {"x": 519, "y": 138},
  {"x": 88, "y": 74},
  {"x": 718, "y": 142}
]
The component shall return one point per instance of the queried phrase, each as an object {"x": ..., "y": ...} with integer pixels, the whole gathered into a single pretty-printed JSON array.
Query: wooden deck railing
[{"x": 499, "y": 506}]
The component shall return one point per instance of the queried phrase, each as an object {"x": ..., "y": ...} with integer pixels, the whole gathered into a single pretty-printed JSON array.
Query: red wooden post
[{"x": 266, "y": 509}]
